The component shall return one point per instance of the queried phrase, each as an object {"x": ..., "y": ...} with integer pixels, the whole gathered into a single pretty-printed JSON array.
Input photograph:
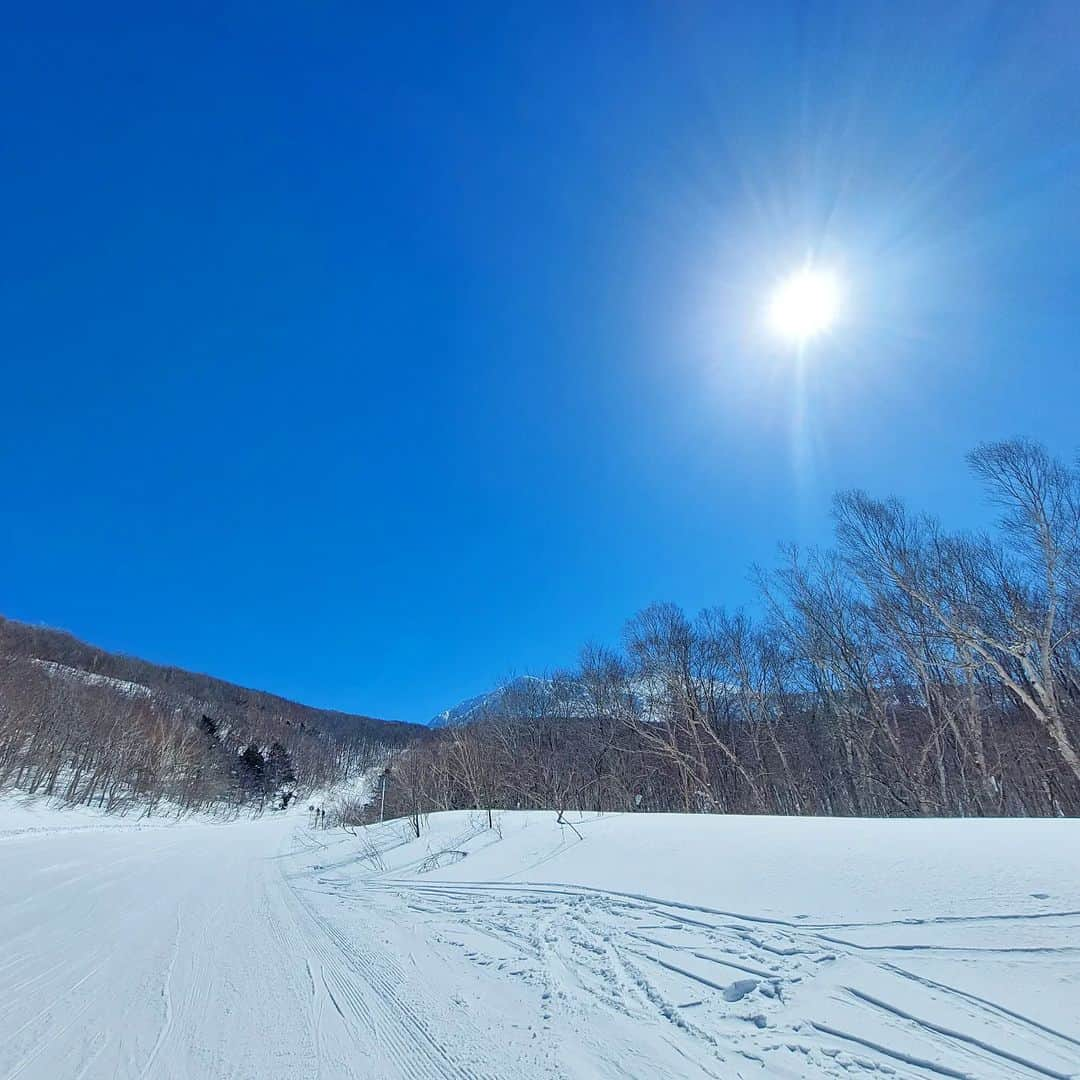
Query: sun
[{"x": 805, "y": 305}]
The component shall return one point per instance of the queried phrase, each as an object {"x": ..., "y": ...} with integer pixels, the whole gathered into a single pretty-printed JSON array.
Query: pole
[{"x": 382, "y": 802}]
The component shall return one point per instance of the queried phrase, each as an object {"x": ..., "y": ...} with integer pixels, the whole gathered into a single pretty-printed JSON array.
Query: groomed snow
[{"x": 621, "y": 946}]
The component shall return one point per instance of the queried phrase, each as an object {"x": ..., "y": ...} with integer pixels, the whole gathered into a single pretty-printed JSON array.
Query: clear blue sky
[{"x": 368, "y": 356}]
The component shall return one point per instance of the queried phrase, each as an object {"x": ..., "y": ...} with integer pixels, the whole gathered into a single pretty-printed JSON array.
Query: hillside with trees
[
  {"x": 96, "y": 728},
  {"x": 907, "y": 671}
]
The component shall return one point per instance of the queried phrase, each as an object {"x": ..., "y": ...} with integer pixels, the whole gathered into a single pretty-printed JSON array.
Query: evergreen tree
[
  {"x": 279, "y": 770},
  {"x": 253, "y": 770},
  {"x": 210, "y": 731}
]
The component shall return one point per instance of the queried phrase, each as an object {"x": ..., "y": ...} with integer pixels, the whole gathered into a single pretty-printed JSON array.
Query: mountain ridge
[
  {"x": 93, "y": 727},
  {"x": 471, "y": 708},
  {"x": 26, "y": 641}
]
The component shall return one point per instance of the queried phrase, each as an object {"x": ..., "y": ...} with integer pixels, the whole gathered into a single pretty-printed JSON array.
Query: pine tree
[
  {"x": 253, "y": 770},
  {"x": 279, "y": 770},
  {"x": 210, "y": 731}
]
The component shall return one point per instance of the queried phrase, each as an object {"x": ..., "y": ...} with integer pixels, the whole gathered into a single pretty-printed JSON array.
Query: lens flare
[{"x": 805, "y": 305}]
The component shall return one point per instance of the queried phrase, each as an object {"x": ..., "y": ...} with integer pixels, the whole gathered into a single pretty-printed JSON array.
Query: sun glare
[{"x": 805, "y": 305}]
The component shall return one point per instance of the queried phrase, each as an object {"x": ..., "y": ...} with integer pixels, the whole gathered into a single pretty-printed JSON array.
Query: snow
[
  {"x": 123, "y": 686},
  {"x": 471, "y": 708},
  {"x": 615, "y": 946},
  {"x": 23, "y": 815}
]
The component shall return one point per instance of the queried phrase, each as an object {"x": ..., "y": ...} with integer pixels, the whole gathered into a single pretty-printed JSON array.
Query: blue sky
[{"x": 370, "y": 355}]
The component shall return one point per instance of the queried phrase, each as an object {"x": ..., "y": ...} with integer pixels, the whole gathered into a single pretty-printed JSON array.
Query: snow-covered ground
[{"x": 624, "y": 946}]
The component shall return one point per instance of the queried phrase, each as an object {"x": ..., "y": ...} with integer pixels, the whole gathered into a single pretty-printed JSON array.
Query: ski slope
[{"x": 621, "y": 946}]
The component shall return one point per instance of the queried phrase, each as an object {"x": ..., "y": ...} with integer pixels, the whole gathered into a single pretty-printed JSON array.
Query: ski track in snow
[
  {"x": 619, "y": 950},
  {"x": 261, "y": 950},
  {"x": 186, "y": 952}
]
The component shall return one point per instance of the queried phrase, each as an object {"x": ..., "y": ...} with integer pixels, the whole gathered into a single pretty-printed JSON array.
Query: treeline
[
  {"x": 92, "y": 728},
  {"x": 906, "y": 671},
  {"x": 20, "y": 640}
]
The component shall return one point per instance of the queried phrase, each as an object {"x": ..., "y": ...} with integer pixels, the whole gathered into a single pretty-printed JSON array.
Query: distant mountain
[
  {"x": 473, "y": 708},
  {"x": 573, "y": 699}
]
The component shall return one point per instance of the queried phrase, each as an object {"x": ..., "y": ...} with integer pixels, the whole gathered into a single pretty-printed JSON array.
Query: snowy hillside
[
  {"x": 621, "y": 946},
  {"x": 105, "y": 729},
  {"x": 760, "y": 946}
]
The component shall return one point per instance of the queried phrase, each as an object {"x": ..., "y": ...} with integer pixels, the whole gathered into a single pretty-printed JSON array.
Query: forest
[
  {"x": 908, "y": 670},
  {"x": 94, "y": 728}
]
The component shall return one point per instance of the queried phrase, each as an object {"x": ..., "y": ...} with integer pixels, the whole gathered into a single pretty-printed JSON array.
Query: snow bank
[{"x": 820, "y": 869}]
